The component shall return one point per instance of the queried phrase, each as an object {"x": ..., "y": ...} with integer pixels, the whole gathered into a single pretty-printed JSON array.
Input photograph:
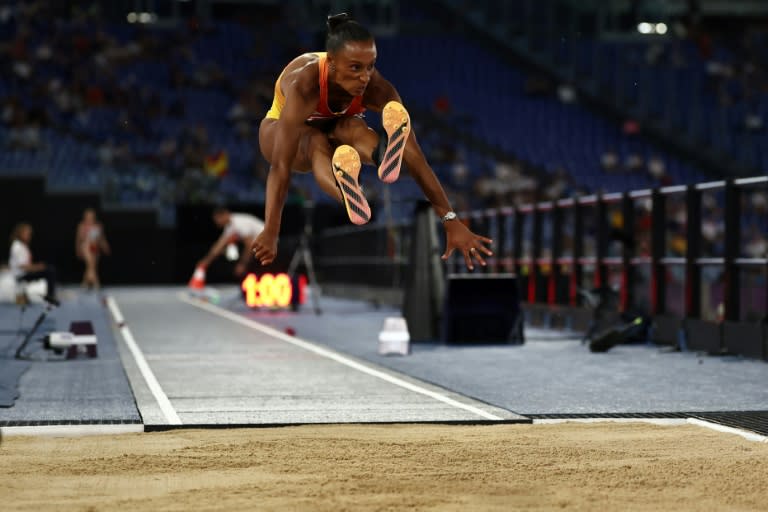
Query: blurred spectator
[
  {"x": 634, "y": 163},
  {"x": 759, "y": 202},
  {"x": 441, "y": 107},
  {"x": 630, "y": 127},
  {"x": 559, "y": 185},
  {"x": 657, "y": 168},
  {"x": 657, "y": 172},
  {"x": 11, "y": 110},
  {"x": 484, "y": 189},
  {"x": 538, "y": 85},
  {"x": 712, "y": 229},
  {"x": 245, "y": 112},
  {"x": 753, "y": 122},
  {"x": 24, "y": 133},
  {"x": 90, "y": 244},
  {"x": 459, "y": 172},
  {"x": 609, "y": 160},
  {"x": 106, "y": 153},
  {"x": 566, "y": 93},
  {"x": 654, "y": 53},
  {"x": 756, "y": 245},
  {"x": 194, "y": 145}
]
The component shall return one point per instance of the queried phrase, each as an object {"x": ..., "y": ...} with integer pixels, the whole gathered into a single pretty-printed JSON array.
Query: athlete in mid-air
[{"x": 316, "y": 124}]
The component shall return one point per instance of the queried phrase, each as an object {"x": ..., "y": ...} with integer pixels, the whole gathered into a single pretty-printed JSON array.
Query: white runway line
[
  {"x": 750, "y": 436},
  {"x": 653, "y": 421},
  {"x": 154, "y": 386},
  {"x": 321, "y": 351}
]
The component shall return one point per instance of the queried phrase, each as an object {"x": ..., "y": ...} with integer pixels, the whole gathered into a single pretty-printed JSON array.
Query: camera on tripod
[
  {"x": 303, "y": 255},
  {"x": 80, "y": 339}
]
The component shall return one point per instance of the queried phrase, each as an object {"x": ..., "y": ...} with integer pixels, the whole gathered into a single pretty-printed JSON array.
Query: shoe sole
[
  {"x": 397, "y": 124},
  {"x": 346, "y": 171}
]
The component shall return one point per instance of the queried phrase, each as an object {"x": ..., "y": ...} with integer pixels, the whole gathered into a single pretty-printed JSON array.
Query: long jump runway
[
  {"x": 194, "y": 364},
  {"x": 167, "y": 360}
]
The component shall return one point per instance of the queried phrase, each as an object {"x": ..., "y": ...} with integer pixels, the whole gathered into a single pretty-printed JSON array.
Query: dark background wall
[{"x": 142, "y": 251}]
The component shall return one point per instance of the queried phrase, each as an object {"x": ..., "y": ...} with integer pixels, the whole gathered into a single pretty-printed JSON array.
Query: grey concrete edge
[{"x": 149, "y": 410}]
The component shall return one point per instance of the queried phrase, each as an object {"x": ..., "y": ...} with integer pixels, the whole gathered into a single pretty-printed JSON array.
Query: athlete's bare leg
[
  {"x": 95, "y": 281},
  {"x": 391, "y": 147},
  {"x": 334, "y": 159},
  {"x": 354, "y": 132},
  {"x": 314, "y": 154},
  {"x": 89, "y": 259}
]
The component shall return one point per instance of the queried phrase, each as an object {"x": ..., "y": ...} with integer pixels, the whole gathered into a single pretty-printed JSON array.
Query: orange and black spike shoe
[
  {"x": 346, "y": 170},
  {"x": 397, "y": 124}
]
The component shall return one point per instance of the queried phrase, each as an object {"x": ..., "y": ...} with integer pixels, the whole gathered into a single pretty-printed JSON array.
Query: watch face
[{"x": 449, "y": 216}]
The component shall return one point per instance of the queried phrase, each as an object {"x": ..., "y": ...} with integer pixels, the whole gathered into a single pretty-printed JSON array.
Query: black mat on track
[
  {"x": 753, "y": 421},
  {"x": 10, "y": 373},
  {"x": 14, "y": 323},
  {"x": 53, "y": 388}
]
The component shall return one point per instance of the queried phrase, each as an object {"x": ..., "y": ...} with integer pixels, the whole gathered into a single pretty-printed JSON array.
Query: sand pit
[{"x": 605, "y": 466}]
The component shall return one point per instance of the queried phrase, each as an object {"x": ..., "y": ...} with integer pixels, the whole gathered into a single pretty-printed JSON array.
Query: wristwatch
[{"x": 450, "y": 216}]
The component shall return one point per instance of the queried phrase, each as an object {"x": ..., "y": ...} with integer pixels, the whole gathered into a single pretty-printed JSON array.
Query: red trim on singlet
[{"x": 322, "y": 111}]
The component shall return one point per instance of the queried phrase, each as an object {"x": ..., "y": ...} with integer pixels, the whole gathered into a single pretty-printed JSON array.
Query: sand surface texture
[{"x": 604, "y": 466}]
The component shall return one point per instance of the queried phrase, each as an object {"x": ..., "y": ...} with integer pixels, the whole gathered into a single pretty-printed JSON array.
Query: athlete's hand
[
  {"x": 471, "y": 246},
  {"x": 264, "y": 248}
]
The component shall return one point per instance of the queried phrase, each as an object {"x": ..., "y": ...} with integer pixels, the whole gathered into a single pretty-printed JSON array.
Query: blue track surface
[
  {"x": 549, "y": 374},
  {"x": 76, "y": 390}
]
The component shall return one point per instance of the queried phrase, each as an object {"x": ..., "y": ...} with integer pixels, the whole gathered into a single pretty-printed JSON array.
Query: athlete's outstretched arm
[
  {"x": 299, "y": 104},
  {"x": 458, "y": 236}
]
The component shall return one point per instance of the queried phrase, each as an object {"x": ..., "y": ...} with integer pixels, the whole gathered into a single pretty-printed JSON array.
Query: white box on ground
[
  {"x": 65, "y": 339},
  {"x": 394, "y": 337}
]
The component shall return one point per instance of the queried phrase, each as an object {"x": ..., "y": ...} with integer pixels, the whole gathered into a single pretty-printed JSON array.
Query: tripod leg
[
  {"x": 312, "y": 279},
  {"x": 295, "y": 260},
  {"x": 31, "y": 333}
]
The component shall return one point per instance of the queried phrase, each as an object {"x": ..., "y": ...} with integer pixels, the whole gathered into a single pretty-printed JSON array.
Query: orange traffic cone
[{"x": 198, "y": 279}]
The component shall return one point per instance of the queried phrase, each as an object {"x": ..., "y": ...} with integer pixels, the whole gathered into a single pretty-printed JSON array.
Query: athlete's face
[{"x": 353, "y": 66}]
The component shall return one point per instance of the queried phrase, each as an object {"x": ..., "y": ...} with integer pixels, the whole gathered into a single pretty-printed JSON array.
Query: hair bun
[{"x": 335, "y": 20}]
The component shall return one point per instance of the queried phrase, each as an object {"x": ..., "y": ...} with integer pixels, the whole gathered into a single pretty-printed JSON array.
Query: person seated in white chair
[
  {"x": 7, "y": 284},
  {"x": 23, "y": 267}
]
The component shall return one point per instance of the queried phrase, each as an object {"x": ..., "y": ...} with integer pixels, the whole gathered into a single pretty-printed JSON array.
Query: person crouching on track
[{"x": 241, "y": 227}]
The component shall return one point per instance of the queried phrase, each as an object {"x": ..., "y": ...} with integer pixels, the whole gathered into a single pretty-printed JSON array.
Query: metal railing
[
  {"x": 682, "y": 250},
  {"x": 686, "y": 251},
  {"x": 372, "y": 255}
]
